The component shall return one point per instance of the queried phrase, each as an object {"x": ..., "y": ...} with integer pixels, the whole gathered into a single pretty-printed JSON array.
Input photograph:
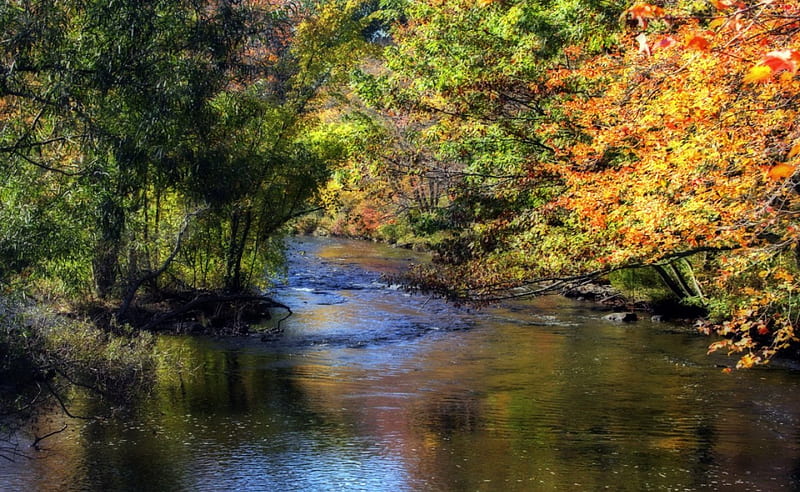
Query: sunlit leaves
[
  {"x": 772, "y": 64},
  {"x": 781, "y": 171},
  {"x": 758, "y": 73},
  {"x": 679, "y": 141},
  {"x": 698, "y": 42},
  {"x": 781, "y": 60},
  {"x": 722, "y": 4},
  {"x": 713, "y": 168},
  {"x": 132, "y": 116}
]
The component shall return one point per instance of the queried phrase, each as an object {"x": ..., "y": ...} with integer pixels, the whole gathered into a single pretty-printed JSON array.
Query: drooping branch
[
  {"x": 38, "y": 439},
  {"x": 44, "y": 166},
  {"x": 152, "y": 275},
  {"x": 61, "y": 403},
  {"x": 496, "y": 292}
]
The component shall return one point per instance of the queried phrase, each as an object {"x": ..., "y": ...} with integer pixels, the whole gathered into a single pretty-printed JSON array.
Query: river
[{"x": 372, "y": 389}]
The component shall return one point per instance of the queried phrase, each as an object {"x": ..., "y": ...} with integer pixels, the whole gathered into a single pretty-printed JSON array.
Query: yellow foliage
[{"x": 758, "y": 74}]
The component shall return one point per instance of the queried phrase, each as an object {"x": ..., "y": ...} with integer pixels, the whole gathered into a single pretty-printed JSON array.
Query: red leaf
[
  {"x": 698, "y": 43},
  {"x": 782, "y": 60},
  {"x": 643, "y": 11},
  {"x": 664, "y": 43}
]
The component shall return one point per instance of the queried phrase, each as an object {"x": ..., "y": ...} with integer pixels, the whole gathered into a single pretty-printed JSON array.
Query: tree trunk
[
  {"x": 670, "y": 282},
  {"x": 106, "y": 261},
  {"x": 241, "y": 223}
]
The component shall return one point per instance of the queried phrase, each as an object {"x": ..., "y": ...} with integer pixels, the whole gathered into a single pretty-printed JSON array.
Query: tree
[
  {"x": 164, "y": 138},
  {"x": 668, "y": 144},
  {"x": 703, "y": 162},
  {"x": 473, "y": 76}
]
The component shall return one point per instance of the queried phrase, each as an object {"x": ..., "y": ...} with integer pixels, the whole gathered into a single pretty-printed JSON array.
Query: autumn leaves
[
  {"x": 706, "y": 102},
  {"x": 587, "y": 145}
]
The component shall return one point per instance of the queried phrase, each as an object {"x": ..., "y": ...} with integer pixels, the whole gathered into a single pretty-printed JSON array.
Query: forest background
[{"x": 153, "y": 155}]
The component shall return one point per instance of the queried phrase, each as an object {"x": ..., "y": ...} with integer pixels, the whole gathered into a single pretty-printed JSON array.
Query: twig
[
  {"x": 63, "y": 405},
  {"x": 35, "y": 443}
]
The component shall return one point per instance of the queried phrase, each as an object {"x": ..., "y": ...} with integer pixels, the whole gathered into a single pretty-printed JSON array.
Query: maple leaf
[
  {"x": 774, "y": 62},
  {"x": 759, "y": 73},
  {"x": 781, "y": 60},
  {"x": 698, "y": 43},
  {"x": 747, "y": 361},
  {"x": 794, "y": 150},
  {"x": 641, "y": 12},
  {"x": 664, "y": 43},
  {"x": 718, "y": 345},
  {"x": 722, "y": 4},
  {"x": 781, "y": 171}
]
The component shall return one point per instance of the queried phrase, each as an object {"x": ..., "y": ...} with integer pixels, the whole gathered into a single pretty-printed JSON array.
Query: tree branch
[
  {"x": 38, "y": 439},
  {"x": 152, "y": 275},
  {"x": 544, "y": 285},
  {"x": 212, "y": 299}
]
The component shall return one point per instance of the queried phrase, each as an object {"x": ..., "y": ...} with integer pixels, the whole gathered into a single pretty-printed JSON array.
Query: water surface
[{"x": 373, "y": 389}]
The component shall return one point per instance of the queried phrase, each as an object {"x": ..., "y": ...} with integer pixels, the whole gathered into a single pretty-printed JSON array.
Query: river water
[{"x": 372, "y": 389}]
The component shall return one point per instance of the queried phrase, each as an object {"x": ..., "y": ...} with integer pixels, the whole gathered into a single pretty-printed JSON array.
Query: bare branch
[{"x": 35, "y": 443}]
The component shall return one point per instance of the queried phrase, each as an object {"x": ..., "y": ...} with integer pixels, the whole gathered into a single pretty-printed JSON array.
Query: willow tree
[{"x": 158, "y": 144}]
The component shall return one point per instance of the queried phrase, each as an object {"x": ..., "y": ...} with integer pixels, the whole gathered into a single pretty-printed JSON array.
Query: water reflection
[{"x": 377, "y": 393}]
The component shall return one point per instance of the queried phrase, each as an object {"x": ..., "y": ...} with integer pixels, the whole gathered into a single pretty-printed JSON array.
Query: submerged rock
[{"x": 621, "y": 317}]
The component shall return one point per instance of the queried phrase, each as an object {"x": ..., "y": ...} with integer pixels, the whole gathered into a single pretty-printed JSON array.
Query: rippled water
[{"x": 372, "y": 389}]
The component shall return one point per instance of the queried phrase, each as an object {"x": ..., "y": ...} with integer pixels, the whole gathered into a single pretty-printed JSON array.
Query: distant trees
[{"x": 593, "y": 137}]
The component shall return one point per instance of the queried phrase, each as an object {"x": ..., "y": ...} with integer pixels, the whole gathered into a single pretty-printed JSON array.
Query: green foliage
[
  {"x": 463, "y": 100},
  {"x": 426, "y": 223},
  {"x": 164, "y": 138},
  {"x": 45, "y": 356},
  {"x": 642, "y": 284}
]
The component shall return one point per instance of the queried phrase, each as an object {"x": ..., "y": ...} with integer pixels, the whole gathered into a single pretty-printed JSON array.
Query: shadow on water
[{"x": 372, "y": 389}]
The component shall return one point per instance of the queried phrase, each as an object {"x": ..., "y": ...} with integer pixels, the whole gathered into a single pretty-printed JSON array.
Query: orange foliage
[
  {"x": 679, "y": 149},
  {"x": 781, "y": 171},
  {"x": 643, "y": 12}
]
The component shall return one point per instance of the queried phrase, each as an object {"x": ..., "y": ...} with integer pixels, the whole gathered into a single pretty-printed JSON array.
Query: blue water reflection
[{"x": 371, "y": 389}]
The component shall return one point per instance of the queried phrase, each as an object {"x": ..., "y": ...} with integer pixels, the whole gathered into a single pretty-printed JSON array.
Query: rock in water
[{"x": 621, "y": 317}]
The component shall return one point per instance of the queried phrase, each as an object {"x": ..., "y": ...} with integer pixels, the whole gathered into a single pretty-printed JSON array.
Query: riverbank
[
  {"x": 638, "y": 292},
  {"x": 370, "y": 387},
  {"x": 189, "y": 312},
  {"x": 46, "y": 357}
]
